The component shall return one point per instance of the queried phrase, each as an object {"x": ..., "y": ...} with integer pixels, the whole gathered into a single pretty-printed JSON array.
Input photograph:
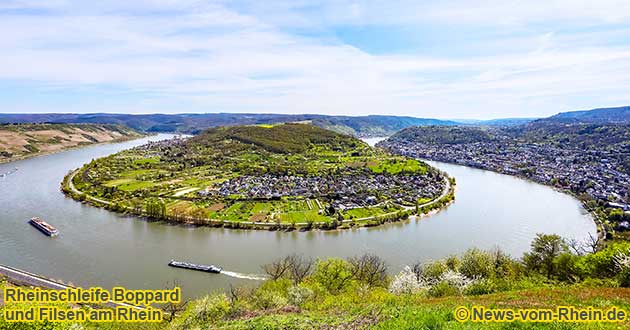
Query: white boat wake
[
  {"x": 6, "y": 174},
  {"x": 255, "y": 277}
]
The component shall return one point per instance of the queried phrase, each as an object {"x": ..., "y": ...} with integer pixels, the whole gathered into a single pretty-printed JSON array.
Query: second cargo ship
[
  {"x": 187, "y": 265},
  {"x": 43, "y": 226}
]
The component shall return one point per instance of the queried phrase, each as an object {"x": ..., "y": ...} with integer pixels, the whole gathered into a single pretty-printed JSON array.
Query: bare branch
[{"x": 370, "y": 269}]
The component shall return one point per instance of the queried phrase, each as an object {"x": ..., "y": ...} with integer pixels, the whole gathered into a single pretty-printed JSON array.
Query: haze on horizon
[{"x": 436, "y": 59}]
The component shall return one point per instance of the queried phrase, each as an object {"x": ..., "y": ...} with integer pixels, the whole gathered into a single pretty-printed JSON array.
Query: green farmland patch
[{"x": 278, "y": 174}]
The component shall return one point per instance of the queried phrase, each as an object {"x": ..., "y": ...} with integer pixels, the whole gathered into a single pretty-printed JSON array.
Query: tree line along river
[{"x": 100, "y": 248}]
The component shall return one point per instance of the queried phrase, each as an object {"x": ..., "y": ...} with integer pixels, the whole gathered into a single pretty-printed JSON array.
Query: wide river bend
[{"x": 100, "y": 248}]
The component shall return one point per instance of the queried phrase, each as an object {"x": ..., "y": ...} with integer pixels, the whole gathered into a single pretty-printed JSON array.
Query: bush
[
  {"x": 266, "y": 299},
  {"x": 599, "y": 283},
  {"x": 210, "y": 309},
  {"x": 458, "y": 280},
  {"x": 602, "y": 264},
  {"x": 624, "y": 278},
  {"x": 522, "y": 283},
  {"x": 443, "y": 289},
  {"x": 477, "y": 264},
  {"x": 298, "y": 295},
  {"x": 431, "y": 271},
  {"x": 484, "y": 286},
  {"x": 505, "y": 266},
  {"x": 333, "y": 274},
  {"x": 281, "y": 285},
  {"x": 566, "y": 267},
  {"x": 453, "y": 263}
]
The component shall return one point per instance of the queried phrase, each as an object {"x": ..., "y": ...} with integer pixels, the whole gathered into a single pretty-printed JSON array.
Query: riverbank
[
  {"x": 490, "y": 211},
  {"x": 24, "y": 141},
  {"x": 280, "y": 177},
  {"x": 443, "y": 200},
  {"x": 359, "y": 293},
  {"x": 602, "y": 231}
]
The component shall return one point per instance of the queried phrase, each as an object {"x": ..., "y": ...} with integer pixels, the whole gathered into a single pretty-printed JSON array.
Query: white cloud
[
  {"x": 457, "y": 12},
  {"x": 198, "y": 56}
]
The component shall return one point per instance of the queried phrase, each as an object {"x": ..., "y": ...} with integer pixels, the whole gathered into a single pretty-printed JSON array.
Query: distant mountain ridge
[
  {"x": 495, "y": 122},
  {"x": 371, "y": 125},
  {"x": 360, "y": 126},
  {"x": 600, "y": 115}
]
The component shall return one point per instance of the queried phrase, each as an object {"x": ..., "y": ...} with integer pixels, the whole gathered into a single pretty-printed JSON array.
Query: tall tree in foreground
[{"x": 545, "y": 249}]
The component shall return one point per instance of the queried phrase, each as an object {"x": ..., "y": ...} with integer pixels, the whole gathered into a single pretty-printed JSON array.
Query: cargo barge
[
  {"x": 201, "y": 268},
  {"x": 43, "y": 226}
]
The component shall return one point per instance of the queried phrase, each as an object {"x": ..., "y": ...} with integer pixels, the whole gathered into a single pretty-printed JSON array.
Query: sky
[{"x": 459, "y": 59}]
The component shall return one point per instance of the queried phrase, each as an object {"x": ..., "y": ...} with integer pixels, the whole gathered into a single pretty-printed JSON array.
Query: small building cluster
[{"x": 344, "y": 191}]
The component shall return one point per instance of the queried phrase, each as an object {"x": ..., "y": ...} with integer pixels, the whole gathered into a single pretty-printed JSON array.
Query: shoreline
[
  {"x": 48, "y": 153},
  {"x": 599, "y": 224},
  {"x": 426, "y": 209}
]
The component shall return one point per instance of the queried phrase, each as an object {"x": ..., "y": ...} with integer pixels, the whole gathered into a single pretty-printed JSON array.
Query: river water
[{"x": 98, "y": 247}]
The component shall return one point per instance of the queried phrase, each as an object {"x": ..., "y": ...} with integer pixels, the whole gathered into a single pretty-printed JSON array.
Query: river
[{"x": 98, "y": 247}]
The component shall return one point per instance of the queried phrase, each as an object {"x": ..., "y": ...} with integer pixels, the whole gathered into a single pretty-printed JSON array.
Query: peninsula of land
[{"x": 283, "y": 176}]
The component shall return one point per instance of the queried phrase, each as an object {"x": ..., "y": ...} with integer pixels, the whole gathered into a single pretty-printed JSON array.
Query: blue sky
[{"x": 439, "y": 59}]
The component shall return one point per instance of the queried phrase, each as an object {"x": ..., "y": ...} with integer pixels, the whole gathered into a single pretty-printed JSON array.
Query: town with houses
[
  {"x": 343, "y": 192},
  {"x": 344, "y": 189},
  {"x": 595, "y": 173}
]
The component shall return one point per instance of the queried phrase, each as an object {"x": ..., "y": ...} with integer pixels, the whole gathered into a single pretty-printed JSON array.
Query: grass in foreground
[{"x": 357, "y": 293}]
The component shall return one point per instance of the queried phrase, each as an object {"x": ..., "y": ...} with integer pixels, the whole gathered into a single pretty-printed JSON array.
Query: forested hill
[
  {"x": 581, "y": 136},
  {"x": 284, "y": 138},
  {"x": 602, "y": 115},
  {"x": 194, "y": 123},
  {"x": 448, "y": 134},
  {"x": 375, "y": 125}
]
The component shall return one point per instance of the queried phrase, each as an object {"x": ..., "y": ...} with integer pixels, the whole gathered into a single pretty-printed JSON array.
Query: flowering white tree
[
  {"x": 408, "y": 281},
  {"x": 622, "y": 260},
  {"x": 456, "y": 279}
]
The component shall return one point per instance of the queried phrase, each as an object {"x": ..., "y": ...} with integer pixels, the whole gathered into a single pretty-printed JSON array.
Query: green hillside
[
  {"x": 263, "y": 176},
  {"x": 361, "y": 292},
  {"x": 287, "y": 138}
]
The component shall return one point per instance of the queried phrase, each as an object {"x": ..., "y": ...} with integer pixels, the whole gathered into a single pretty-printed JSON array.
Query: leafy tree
[
  {"x": 333, "y": 274},
  {"x": 155, "y": 208},
  {"x": 431, "y": 270},
  {"x": 617, "y": 215},
  {"x": 565, "y": 266},
  {"x": 602, "y": 263},
  {"x": 545, "y": 249},
  {"x": 330, "y": 210}
]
